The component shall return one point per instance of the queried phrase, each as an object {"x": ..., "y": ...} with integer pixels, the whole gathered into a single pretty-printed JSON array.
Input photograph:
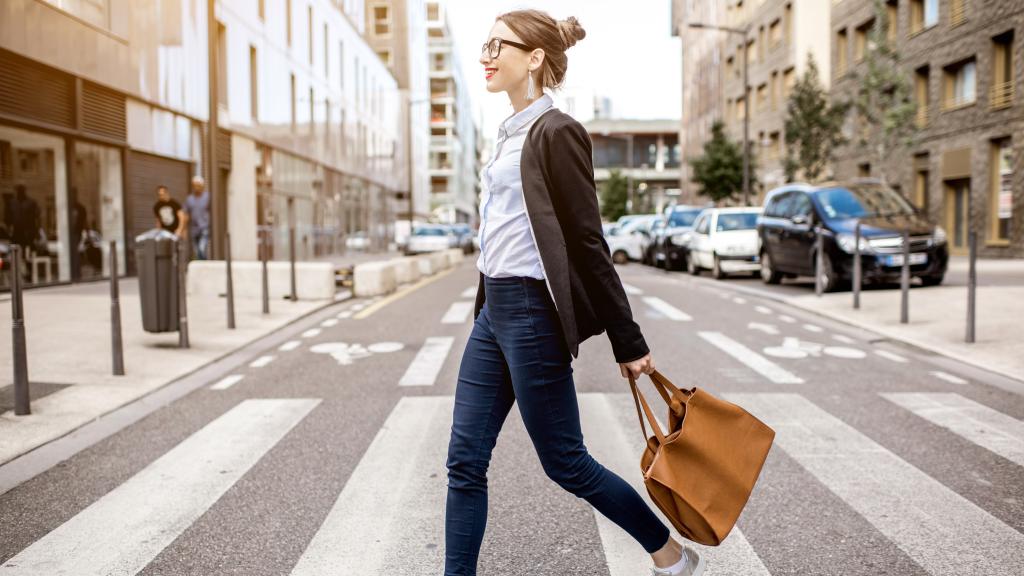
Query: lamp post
[{"x": 743, "y": 33}]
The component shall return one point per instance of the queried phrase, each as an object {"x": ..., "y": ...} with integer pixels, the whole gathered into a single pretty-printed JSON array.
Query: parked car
[
  {"x": 673, "y": 245},
  {"x": 464, "y": 235},
  {"x": 430, "y": 238},
  {"x": 724, "y": 240},
  {"x": 649, "y": 243},
  {"x": 625, "y": 243},
  {"x": 358, "y": 240},
  {"x": 792, "y": 214}
]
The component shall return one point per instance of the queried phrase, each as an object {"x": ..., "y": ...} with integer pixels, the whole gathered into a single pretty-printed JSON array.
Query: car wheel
[
  {"x": 620, "y": 257},
  {"x": 716, "y": 269},
  {"x": 691, "y": 265},
  {"x": 932, "y": 280},
  {"x": 769, "y": 275},
  {"x": 829, "y": 278}
]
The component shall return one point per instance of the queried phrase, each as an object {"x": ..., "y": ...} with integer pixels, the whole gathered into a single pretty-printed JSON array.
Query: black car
[
  {"x": 793, "y": 213},
  {"x": 673, "y": 244}
]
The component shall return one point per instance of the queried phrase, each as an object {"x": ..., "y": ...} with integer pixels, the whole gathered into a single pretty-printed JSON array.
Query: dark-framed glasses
[{"x": 493, "y": 47}]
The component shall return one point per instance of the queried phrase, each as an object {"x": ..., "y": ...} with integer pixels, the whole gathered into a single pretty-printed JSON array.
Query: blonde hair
[{"x": 539, "y": 30}]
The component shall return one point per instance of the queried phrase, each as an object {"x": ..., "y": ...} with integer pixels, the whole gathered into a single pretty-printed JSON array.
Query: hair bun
[{"x": 571, "y": 31}]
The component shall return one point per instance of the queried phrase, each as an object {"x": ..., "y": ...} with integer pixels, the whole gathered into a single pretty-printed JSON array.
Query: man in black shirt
[{"x": 168, "y": 212}]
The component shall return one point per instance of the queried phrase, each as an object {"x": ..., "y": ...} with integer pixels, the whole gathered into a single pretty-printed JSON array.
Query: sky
[{"x": 629, "y": 54}]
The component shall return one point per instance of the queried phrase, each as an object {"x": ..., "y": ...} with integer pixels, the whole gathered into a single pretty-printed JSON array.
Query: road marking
[
  {"x": 261, "y": 362},
  {"x": 796, "y": 348},
  {"x": 227, "y": 382},
  {"x": 358, "y": 307},
  {"x": 934, "y": 526},
  {"x": 427, "y": 364},
  {"x": 813, "y": 328},
  {"x": 469, "y": 292},
  {"x": 890, "y": 356},
  {"x": 311, "y": 333},
  {"x": 763, "y": 309},
  {"x": 979, "y": 424},
  {"x": 751, "y": 359},
  {"x": 289, "y": 346},
  {"x": 666, "y": 309},
  {"x": 614, "y": 439},
  {"x": 384, "y": 347},
  {"x": 739, "y": 300},
  {"x": 458, "y": 312},
  {"x": 787, "y": 319},
  {"x": 948, "y": 377},
  {"x": 329, "y": 322},
  {"x": 392, "y": 526},
  {"x": 364, "y": 313},
  {"x": 344, "y": 314},
  {"x": 843, "y": 339},
  {"x": 631, "y": 290},
  {"x": 342, "y": 352},
  {"x": 766, "y": 328},
  {"x": 124, "y": 530}
]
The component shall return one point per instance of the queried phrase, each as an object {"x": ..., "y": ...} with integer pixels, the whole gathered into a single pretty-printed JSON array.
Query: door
[
  {"x": 958, "y": 193},
  {"x": 145, "y": 173},
  {"x": 773, "y": 225},
  {"x": 798, "y": 242}
]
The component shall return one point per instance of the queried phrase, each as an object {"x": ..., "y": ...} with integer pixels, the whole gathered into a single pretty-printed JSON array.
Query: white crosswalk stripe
[
  {"x": 261, "y": 361},
  {"x": 469, "y": 292},
  {"x": 939, "y": 529},
  {"x": 631, "y": 290},
  {"x": 751, "y": 359},
  {"x": 666, "y": 309},
  {"x": 946, "y": 376},
  {"x": 390, "y": 514},
  {"x": 891, "y": 356},
  {"x": 427, "y": 364},
  {"x": 979, "y": 424},
  {"x": 458, "y": 313},
  {"x": 227, "y": 382},
  {"x": 125, "y": 529}
]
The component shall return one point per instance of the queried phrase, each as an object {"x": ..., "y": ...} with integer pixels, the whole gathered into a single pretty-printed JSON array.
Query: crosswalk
[{"x": 388, "y": 517}]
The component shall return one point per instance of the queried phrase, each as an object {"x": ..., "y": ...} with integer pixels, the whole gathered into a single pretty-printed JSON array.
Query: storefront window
[
  {"x": 97, "y": 216},
  {"x": 34, "y": 205}
]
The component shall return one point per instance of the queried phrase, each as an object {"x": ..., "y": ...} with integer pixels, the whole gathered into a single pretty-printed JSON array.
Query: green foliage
[
  {"x": 814, "y": 127},
  {"x": 719, "y": 172},
  {"x": 614, "y": 193},
  {"x": 884, "y": 105}
]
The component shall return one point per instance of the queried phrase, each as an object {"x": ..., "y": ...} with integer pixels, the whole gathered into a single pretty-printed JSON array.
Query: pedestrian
[
  {"x": 547, "y": 283},
  {"x": 168, "y": 212},
  {"x": 197, "y": 206}
]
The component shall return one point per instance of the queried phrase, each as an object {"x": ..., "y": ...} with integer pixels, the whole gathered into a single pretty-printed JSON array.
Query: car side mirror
[{"x": 799, "y": 219}]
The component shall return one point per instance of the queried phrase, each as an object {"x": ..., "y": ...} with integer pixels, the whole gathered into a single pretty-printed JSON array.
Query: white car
[
  {"x": 725, "y": 241},
  {"x": 430, "y": 238},
  {"x": 627, "y": 241}
]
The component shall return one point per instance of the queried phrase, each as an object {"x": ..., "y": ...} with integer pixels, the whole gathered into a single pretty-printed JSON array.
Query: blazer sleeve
[{"x": 571, "y": 171}]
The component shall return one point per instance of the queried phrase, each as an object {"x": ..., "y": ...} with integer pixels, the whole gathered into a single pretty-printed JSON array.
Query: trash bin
[{"x": 158, "y": 280}]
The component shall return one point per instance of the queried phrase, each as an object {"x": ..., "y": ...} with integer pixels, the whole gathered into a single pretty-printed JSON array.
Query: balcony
[
  {"x": 923, "y": 116},
  {"x": 1001, "y": 95}
]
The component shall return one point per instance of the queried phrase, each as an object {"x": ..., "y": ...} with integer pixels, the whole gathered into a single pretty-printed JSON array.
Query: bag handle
[{"x": 639, "y": 400}]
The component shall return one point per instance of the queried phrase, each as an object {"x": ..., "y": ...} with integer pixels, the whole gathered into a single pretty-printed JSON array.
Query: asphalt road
[{"x": 324, "y": 454}]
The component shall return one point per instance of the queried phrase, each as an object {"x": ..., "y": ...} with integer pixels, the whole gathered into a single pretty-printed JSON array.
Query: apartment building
[
  {"x": 653, "y": 167},
  {"x": 453, "y": 154},
  {"x": 965, "y": 61}
]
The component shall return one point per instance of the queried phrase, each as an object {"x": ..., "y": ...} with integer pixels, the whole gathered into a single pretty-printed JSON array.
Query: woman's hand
[{"x": 637, "y": 367}]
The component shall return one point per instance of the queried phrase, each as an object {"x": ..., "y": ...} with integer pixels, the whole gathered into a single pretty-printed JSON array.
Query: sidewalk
[
  {"x": 69, "y": 353},
  {"x": 938, "y": 315}
]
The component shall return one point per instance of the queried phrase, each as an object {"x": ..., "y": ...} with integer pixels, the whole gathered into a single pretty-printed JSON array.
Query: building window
[
  {"x": 788, "y": 80},
  {"x": 729, "y": 67},
  {"x": 774, "y": 89},
  {"x": 254, "y": 106},
  {"x": 921, "y": 95},
  {"x": 752, "y": 51},
  {"x": 433, "y": 12},
  {"x": 327, "y": 54},
  {"x": 288, "y": 20},
  {"x": 760, "y": 44},
  {"x": 385, "y": 56},
  {"x": 762, "y": 97},
  {"x": 841, "y": 49},
  {"x": 263, "y": 9},
  {"x": 787, "y": 23},
  {"x": 381, "y": 20},
  {"x": 1001, "y": 196},
  {"x": 1002, "y": 71},
  {"x": 341, "y": 64},
  {"x": 222, "y": 64},
  {"x": 292, "y": 94},
  {"x": 961, "y": 84},
  {"x": 957, "y": 12},
  {"x": 921, "y": 176},
  {"x": 775, "y": 33},
  {"x": 312, "y": 112},
  {"x": 862, "y": 40},
  {"x": 864, "y": 170},
  {"x": 923, "y": 15},
  {"x": 95, "y": 12},
  {"x": 309, "y": 30},
  {"x": 892, "y": 19}
]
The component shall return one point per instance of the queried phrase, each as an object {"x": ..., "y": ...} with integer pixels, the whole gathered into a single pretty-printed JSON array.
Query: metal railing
[
  {"x": 1000, "y": 95},
  {"x": 923, "y": 116},
  {"x": 957, "y": 12}
]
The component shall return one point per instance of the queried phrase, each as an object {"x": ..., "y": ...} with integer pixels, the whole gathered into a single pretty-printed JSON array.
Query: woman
[{"x": 546, "y": 284}]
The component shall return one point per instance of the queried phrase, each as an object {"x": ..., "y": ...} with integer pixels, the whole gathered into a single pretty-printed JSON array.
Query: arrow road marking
[
  {"x": 751, "y": 359},
  {"x": 766, "y": 328}
]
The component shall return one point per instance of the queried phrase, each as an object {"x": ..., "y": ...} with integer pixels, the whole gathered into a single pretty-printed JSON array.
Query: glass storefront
[{"x": 97, "y": 215}]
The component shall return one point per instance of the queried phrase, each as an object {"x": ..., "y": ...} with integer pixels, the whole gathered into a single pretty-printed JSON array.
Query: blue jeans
[
  {"x": 201, "y": 243},
  {"x": 516, "y": 352}
]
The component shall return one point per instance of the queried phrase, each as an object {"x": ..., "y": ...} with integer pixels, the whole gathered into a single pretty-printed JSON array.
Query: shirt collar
[{"x": 513, "y": 123}]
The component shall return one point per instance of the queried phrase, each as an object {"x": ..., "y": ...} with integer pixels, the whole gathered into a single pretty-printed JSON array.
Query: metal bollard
[
  {"x": 972, "y": 283},
  {"x": 181, "y": 267},
  {"x": 291, "y": 258},
  {"x": 231, "y": 283},
  {"x": 819, "y": 247},
  {"x": 116, "y": 343},
  {"x": 857, "y": 272},
  {"x": 22, "y": 404},
  {"x": 263, "y": 258},
  {"x": 905, "y": 280}
]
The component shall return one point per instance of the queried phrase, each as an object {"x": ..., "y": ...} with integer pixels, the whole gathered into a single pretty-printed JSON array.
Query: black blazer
[{"x": 561, "y": 203}]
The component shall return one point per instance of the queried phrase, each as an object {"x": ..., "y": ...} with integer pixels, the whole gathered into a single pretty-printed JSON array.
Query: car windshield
[
  {"x": 429, "y": 232},
  {"x": 861, "y": 201},
  {"x": 683, "y": 217},
  {"x": 736, "y": 221}
]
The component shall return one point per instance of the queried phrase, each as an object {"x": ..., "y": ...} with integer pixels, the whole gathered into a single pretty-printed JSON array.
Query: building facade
[
  {"x": 653, "y": 168},
  {"x": 965, "y": 62},
  {"x": 103, "y": 101}
]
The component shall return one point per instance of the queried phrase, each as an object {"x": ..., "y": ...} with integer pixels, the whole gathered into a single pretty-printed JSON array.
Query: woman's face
[{"x": 508, "y": 71}]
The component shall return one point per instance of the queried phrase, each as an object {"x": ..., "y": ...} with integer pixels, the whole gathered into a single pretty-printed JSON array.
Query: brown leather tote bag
[{"x": 701, "y": 471}]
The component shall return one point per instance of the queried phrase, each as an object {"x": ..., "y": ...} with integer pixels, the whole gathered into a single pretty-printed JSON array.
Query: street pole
[
  {"x": 409, "y": 160},
  {"x": 905, "y": 280},
  {"x": 21, "y": 398},
  {"x": 819, "y": 246},
  {"x": 231, "y": 283},
  {"x": 972, "y": 283},
  {"x": 857, "y": 272},
  {"x": 117, "y": 347},
  {"x": 746, "y": 126},
  {"x": 264, "y": 248},
  {"x": 212, "y": 122},
  {"x": 181, "y": 265},
  {"x": 629, "y": 173}
]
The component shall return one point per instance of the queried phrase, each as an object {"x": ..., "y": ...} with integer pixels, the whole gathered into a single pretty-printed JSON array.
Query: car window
[
  {"x": 429, "y": 232},
  {"x": 801, "y": 205},
  {"x": 683, "y": 217},
  {"x": 778, "y": 205},
  {"x": 702, "y": 224},
  {"x": 862, "y": 200},
  {"x": 736, "y": 221}
]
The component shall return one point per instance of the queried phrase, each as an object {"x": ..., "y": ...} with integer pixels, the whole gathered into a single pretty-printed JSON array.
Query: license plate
[{"x": 915, "y": 259}]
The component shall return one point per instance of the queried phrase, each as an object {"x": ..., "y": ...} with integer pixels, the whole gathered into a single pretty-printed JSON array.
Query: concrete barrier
[
  {"x": 407, "y": 269},
  {"x": 439, "y": 261},
  {"x": 374, "y": 278},
  {"x": 455, "y": 255},
  {"x": 313, "y": 280},
  {"x": 425, "y": 264}
]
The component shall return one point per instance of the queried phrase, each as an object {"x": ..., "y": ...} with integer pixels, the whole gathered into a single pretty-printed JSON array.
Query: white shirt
[{"x": 507, "y": 245}]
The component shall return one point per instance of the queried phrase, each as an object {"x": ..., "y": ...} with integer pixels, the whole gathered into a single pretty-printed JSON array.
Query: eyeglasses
[{"x": 493, "y": 47}]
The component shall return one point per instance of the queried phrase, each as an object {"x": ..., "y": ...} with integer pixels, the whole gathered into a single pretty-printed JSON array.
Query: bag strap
[{"x": 639, "y": 400}]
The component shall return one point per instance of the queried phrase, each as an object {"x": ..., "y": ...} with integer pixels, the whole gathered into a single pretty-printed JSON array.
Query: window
[
  {"x": 892, "y": 19},
  {"x": 327, "y": 58},
  {"x": 433, "y": 12},
  {"x": 923, "y": 14},
  {"x": 381, "y": 20},
  {"x": 263, "y": 9},
  {"x": 751, "y": 51},
  {"x": 740, "y": 111},
  {"x": 961, "y": 84},
  {"x": 760, "y": 43},
  {"x": 957, "y": 12},
  {"x": 788, "y": 79},
  {"x": 385, "y": 56},
  {"x": 288, "y": 20},
  {"x": 921, "y": 96},
  {"x": 787, "y": 23},
  {"x": 730, "y": 67},
  {"x": 921, "y": 187},
  {"x": 341, "y": 64},
  {"x": 774, "y": 89},
  {"x": 762, "y": 97},
  {"x": 1002, "y": 71},
  {"x": 841, "y": 48},
  {"x": 1001, "y": 195},
  {"x": 864, "y": 170},
  {"x": 309, "y": 30},
  {"x": 312, "y": 111},
  {"x": 254, "y": 105},
  {"x": 95, "y": 12},
  {"x": 775, "y": 33},
  {"x": 222, "y": 64},
  {"x": 862, "y": 40},
  {"x": 293, "y": 100}
]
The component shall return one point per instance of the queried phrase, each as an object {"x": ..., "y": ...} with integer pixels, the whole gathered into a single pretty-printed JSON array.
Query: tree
[
  {"x": 719, "y": 172},
  {"x": 614, "y": 192},
  {"x": 814, "y": 127},
  {"x": 885, "y": 109}
]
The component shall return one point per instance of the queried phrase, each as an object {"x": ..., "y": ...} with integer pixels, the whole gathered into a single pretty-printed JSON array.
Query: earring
[{"x": 529, "y": 85}]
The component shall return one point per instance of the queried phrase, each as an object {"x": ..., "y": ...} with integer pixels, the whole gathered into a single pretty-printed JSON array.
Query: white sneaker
[{"x": 694, "y": 565}]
